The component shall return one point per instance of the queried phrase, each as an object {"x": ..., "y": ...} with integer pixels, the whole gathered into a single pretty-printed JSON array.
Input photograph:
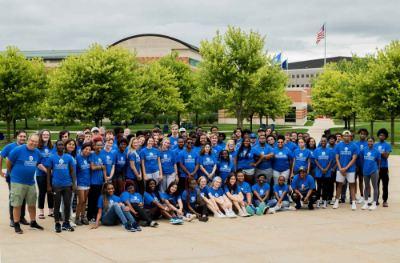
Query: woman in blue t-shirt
[
  {"x": 281, "y": 192},
  {"x": 207, "y": 162},
  {"x": 219, "y": 199},
  {"x": 234, "y": 194},
  {"x": 225, "y": 165},
  {"x": 134, "y": 171},
  {"x": 301, "y": 158},
  {"x": 121, "y": 164},
  {"x": 193, "y": 202},
  {"x": 168, "y": 165},
  {"x": 173, "y": 201},
  {"x": 151, "y": 163},
  {"x": 112, "y": 211},
  {"x": 83, "y": 183},
  {"x": 244, "y": 160}
]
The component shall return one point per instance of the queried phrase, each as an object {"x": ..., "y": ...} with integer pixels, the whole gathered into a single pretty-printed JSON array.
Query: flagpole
[{"x": 325, "y": 45}]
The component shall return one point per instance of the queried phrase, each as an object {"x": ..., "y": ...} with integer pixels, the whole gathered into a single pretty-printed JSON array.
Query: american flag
[{"x": 321, "y": 34}]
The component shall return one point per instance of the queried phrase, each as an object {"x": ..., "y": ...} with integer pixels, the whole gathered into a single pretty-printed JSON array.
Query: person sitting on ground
[
  {"x": 281, "y": 192},
  {"x": 303, "y": 186},
  {"x": 173, "y": 201},
  {"x": 234, "y": 194},
  {"x": 261, "y": 193},
  {"x": 219, "y": 199},
  {"x": 193, "y": 202}
]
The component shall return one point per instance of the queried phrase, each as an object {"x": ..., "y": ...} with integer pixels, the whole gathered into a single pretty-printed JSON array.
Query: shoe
[
  {"x": 297, "y": 207},
  {"x": 369, "y": 200},
  {"x": 318, "y": 204},
  {"x": 365, "y": 206},
  {"x": 136, "y": 227},
  {"x": 35, "y": 225},
  {"x": 332, "y": 202},
  {"x": 360, "y": 200},
  {"x": 128, "y": 227},
  {"x": 175, "y": 221},
  {"x": 231, "y": 214},
  {"x": 57, "y": 228},
  {"x": 373, "y": 206},
  {"x": 24, "y": 222},
  {"x": 259, "y": 211},
  {"x": 310, "y": 206},
  {"x": 78, "y": 222},
  {"x": 271, "y": 211},
  {"x": 12, "y": 223},
  {"x": 385, "y": 204},
  {"x": 219, "y": 215},
  {"x": 291, "y": 208},
  {"x": 250, "y": 210},
  {"x": 72, "y": 223},
  {"x": 336, "y": 204},
  {"x": 189, "y": 217},
  {"x": 353, "y": 206},
  {"x": 41, "y": 216},
  {"x": 17, "y": 228},
  {"x": 324, "y": 205},
  {"x": 242, "y": 214},
  {"x": 153, "y": 224},
  {"x": 290, "y": 199},
  {"x": 92, "y": 221},
  {"x": 203, "y": 218},
  {"x": 85, "y": 221},
  {"x": 66, "y": 226}
]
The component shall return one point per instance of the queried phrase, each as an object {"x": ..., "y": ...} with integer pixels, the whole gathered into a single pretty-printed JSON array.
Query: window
[
  {"x": 307, "y": 76},
  {"x": 293, "y": 86},
  {"x": 297, "y": 85},
  {"x": 302, "y": 85},
  {"x": 311, "y": 75},
  {"x": 302, "y": 75},
  {"x": 307, "y": 85},
  {"x": 298, "y": 76},
  {"x": 291, "y": 115},
  {"x": 293, "y": 76}
]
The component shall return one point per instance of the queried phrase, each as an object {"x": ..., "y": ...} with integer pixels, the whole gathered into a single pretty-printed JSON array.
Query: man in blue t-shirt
[
  {"x": 21, "y": 139},
  {"x": 385, "y": 149},
  {"x": 61, "y": 180},
  {"x": 346, "y": 156},
  {"x": 21, "y": 166},
  {"x": 361, "y": 144},
  {"x": 303, "y": 186}
]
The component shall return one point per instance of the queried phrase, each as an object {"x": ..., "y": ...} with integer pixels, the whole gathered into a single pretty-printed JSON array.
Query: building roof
[
  {"x": 157, "y": 35},
  {"x": 52, "y": 54},
  {"x": 315, "y": 63}
]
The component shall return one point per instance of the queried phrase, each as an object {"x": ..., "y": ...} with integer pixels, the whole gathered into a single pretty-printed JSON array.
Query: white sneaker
[
  {"x": 360, "y": 200},
  {"x": 271, "y": 211},
  {"x": 332, "y": 202},
  {"x": 369, "y": 200},
  {"x": 219, "y": 215},
  {"x": 353, "y": 206},
  {"x": 291, "y": 208},
  {"x": 232, "y": 214},
  {"x": 324, "y": 205},
  {"x": 365, "y": 206},
  {"x": 373, "y": 206},
  {"x": 336, "y": 204},
  {"x": 241, "y": 214},
  {"x": 318, "y": 204}
]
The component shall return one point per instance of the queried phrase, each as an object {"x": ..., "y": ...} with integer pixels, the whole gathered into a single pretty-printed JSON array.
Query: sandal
[
  {"x": 41, "y": 216},
  {"x": 51, "y": 215}
]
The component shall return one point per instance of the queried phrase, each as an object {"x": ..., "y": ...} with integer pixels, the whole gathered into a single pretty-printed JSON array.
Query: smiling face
[
  {"x": 246, "y": 142},
  {"x": 371, "y": 143},
  {"x": 109, "y": 143},
  {"x": 131, "y": 189},
  {"x": 217, "y": 182},
  {"x": 46, "y": 136},
  {"x": 323, "y": 142},
  {"x": 98, "y": 146},
  {"x": 110, "y": 189},
  {"x": 280, "y": 143},
  {"x": 150, "y": 142},
  {"x": 60, "y": 146},
  {"x": 232, "y": 180},
  {"x": 70, "y": 147},
  {"x": 122, "y": 146},
  {"x": 240, "y": 177},
  {"x": 207, "y": 148},
  {"x": 152, "y": 185},
  {"x": 21, "y": 138},
  {"x": 202, "y": 182},
  {"x": 173, "y": 189},
  {"x": 86, "y": 151},
  {"x": 166, "y": 144},
  {"x": 281, "y": 180}
]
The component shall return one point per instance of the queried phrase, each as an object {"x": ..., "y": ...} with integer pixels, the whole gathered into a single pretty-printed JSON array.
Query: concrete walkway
[{"x": 319, "y": 126}]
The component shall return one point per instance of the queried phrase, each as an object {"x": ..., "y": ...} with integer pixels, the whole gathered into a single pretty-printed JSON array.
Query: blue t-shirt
[
  {"x": 135, "y": 157},
  {"x": 208, "y": 162},
  {"x": 149, "y": 199},
  {"x": 216, "y": 150},
  {"x": 109, "y": 160},
  {"x": 150, "y": 157},
  {"x": 245, "y": 188},
  {"x": 134, "y": 198},
  {"x": 303, "y": 184},
  {"x": 291, "y": 146},
  {"x": 168, "y": 162},
  {"x": 192, "y": 197},
  {"x": 323, "y": 156},
  {"x": 383, "y": 147},
  {"x": 45, "y": 153},
  {"x": 280, "y": 189},
  {"x": 261, "y": 189},
  {"x": 215, "y": 192},
  {"x": 301, "y": 157},
  {"x": 346, "y": 152},
  {"x": 232, "y": 155},
  {"x": 120, "y": 161},
  {"x": 370, "y": 160},
  {"x": 97, "y": 176},
  {"x": 360, "y": 145},
  {"x": 173, "y": 199},
  {"x": 189, "y": 160},
  {"x": 234, "y": 191},
  {"x": 263, "y": 150},
  {"x": 204, "y": 192},
  {"x": 224, "y": 169},
  {"x": 7, "y": 150},
  {"x": 111, "y": 201},
  {"x": 24, "y": 163},
  {"x": 82, "y": 170},
  {"x": 61, "y": 176},
  {"x": 282, "y": 158},
  {"x": 173, "y": 141},
  {"x": 245, "y": 158}
]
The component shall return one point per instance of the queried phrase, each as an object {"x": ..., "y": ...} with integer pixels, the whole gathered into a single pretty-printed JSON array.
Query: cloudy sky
[{"x": 353, "y": 26}]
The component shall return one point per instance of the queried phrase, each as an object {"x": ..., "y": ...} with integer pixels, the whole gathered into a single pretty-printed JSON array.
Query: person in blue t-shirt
[
  {"x": 188, "y": 164},
  {"x": 168, "y": 165},
  {"x": 371, "y": 159},
  {"x": 303, "y": 186},
  {"x": 97, "y": 177},
  {"x": 173, "y": 138},
  {"x": 224, "y": 165},
  {"x": 172, "y": 199},
  {"x": 112, "y": 211},
  {"x": 244, "y": 160},
  {"x": 134, "y": 201},
  {"x": 134, "y": 171},
  {"x": 5, "y": 152},
  {"x": 263, "y": 154},
  {"x": 346, "y": 156},
  {"x": 385, "y": 149},
  {"x": 61, "y": 180},
  {"x": 281, "y": 193},
  {"x": 261, "y": 194},
  {"x": 121, "y": 165},
  {"x": 83, "y": 183},
  {"x": 282, "y": 161},
  {"x": 301, "y": 157},
  {"x": 150, "y": 160},
  {"x": 220, "y": 201},
  {"x": 245, "y": 188},
  {"x": 361, "y": 144},
  {"x": 110, "y": 158},
  {"x": 193, "y": 202},
  {"x": 324, "y": 160},
  {"x": 21, "y": 166},
  {"x": 207, "y": 162},
  {"x": 232, "y": 191}
]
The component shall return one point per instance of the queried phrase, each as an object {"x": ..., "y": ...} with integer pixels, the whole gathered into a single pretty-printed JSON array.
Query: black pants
[
  {"x": 93, "y": 197},
  {"x": 143, "y": 215},
  {"x": 297, "y": 199},
  {"x": 200, "y": 208},
  {"x": 10, "y": 208},
  {"x": 331, "y": 185},
  {"x": 64, "y": 193},
  {"x": 322, "y": 188},
  {"x": 182, "y": 184},
  {"x": 42, "y": 185},
  {"x": 384, "y": 177}
]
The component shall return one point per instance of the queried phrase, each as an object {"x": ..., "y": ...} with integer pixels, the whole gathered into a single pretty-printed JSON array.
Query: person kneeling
[
  {"x": 303, "y": 186},
  {"x": 111, "y": 210},
  {"x": 261, "y": 193}
]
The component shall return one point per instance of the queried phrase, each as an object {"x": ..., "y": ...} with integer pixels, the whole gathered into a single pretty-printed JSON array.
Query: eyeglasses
[{"x": 109, "y": 189}]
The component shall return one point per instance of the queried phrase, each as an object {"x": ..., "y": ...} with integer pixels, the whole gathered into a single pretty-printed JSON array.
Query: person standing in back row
[{"x": 385, "y": 149}]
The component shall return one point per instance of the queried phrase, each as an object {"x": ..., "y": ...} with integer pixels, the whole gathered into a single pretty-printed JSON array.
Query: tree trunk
[
  {"x": 14, "y": 126},
  {"x": 96, "y": 122},
  {"x": 26, "y": 123},
  {"x": 239, "y": 118},
  {"x": 392, "y": 117},
  {"x": 197, "y": 119},
  {"x": 251, "y": 122},
  {"x": 372, "y": 128},
  {"x": 354, "y": 122},
  {"x": 260, "y": 119},
  {"x": 267, "y": 120},
  {"x": 8, "y": 130},
  {"x": 179, "y": 118}
]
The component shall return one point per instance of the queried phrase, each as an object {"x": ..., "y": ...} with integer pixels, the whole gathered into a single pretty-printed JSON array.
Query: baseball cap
[
  {"x": 182, "y": 130},
  {"x": 346, "y": 132},
  {"x": 253, "y": 136},
  {"x": 302, "y": 168},
  {"x": 261, "y": 129},
  {"x": 95, "y": 129}
]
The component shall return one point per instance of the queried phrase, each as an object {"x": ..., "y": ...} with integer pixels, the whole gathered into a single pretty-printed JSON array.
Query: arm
[
  {"x": 196, "y": 168},
  {"x": 308, "y": 194},
  {"x": 257, "y": 196},
  {"x": 73, "y": 177},
  {"x": 213, "y": 170},
  {"x": 265, "y": 196},
  {"x": 112, "y": 172},
  {"x": 98, "y": 217},
  {"x": 353, "y": 160},
  {"x": 135, "y": 171},
  {"x": 49, "y": 188},
  {"x": 308, "y": 165},
  {"x": 204, "y": 171},
  {"x": 160, "y": 167},
  {"x": 9, "y": 166},
  {"x": 185, "y": 170},
  {"x": 1, "y": 165},
  {"x": 131, "y": 209},
  {"x": 143, "y": 170}
]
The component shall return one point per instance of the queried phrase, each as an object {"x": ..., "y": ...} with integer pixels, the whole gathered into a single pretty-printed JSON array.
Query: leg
[
  {"x": 67, "y": 197},
  {"x": 42, "y": 186},
  {"x": 374, "y": 180},
  {"x": 57, "y": 204},
  {"x": 385, "y": 184},
  {"x": 79, "y": 207},
  {"x": 367, "y": 186},
  {"x": 296, "y": 199},
  {"x": 275, "y": 176},
  {"x": 142, "y": 213}
]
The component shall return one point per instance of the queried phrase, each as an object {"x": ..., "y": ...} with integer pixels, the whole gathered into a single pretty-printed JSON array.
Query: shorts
[
  {"x": 249, "y": 171},
  {"x": 81, "y": 187},
  {"x": 277, "y": 174},
  {"x": 19, "y": 192},
  {"x": 350, "y": 177},
  {"x": 155, "y": 176},
  {"x": 268, "y": 173}
]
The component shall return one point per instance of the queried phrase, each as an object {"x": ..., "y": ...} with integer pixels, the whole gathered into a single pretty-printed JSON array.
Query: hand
[
  {"x": 177, "y": 179},
  {"x": 73, "y": 188},
  {"x": 126, "y": 209},
  {"x": 306, "y": 199},
  {"x": 3, "y": 174},
  {"x": 135, "y": 213},
  {"x": 343, "y": 171},
  {"x": 49, "y": 189},
  {"x": 95, "y": 226},
  {"x": 139, "y": 177},
  {"x": 253, "y": 164}
]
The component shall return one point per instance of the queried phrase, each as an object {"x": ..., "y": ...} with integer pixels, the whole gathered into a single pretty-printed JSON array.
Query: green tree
[
  {"x": 229, "y": 65},
  {"x": 22, "y": 86},
  {"x": 160, "y": 92},
  {"x": 101, "y": 83}
]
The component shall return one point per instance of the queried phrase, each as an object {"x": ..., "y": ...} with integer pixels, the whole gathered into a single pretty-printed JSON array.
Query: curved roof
[{"x": 157, "y": 35}]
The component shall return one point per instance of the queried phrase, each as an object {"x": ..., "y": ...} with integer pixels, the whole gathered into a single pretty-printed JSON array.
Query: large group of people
[{"x": 109, "y": 177}]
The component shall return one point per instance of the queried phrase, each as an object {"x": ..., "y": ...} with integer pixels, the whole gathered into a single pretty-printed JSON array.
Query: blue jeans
[
  {"x": 115, "y": 213},
  {"x": 269, "y": 203}
]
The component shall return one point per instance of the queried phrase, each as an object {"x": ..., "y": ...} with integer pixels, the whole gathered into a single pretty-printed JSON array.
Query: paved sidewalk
[
  {"x": 302, "y": 236},
  {"x": 319, "y": 126}
]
